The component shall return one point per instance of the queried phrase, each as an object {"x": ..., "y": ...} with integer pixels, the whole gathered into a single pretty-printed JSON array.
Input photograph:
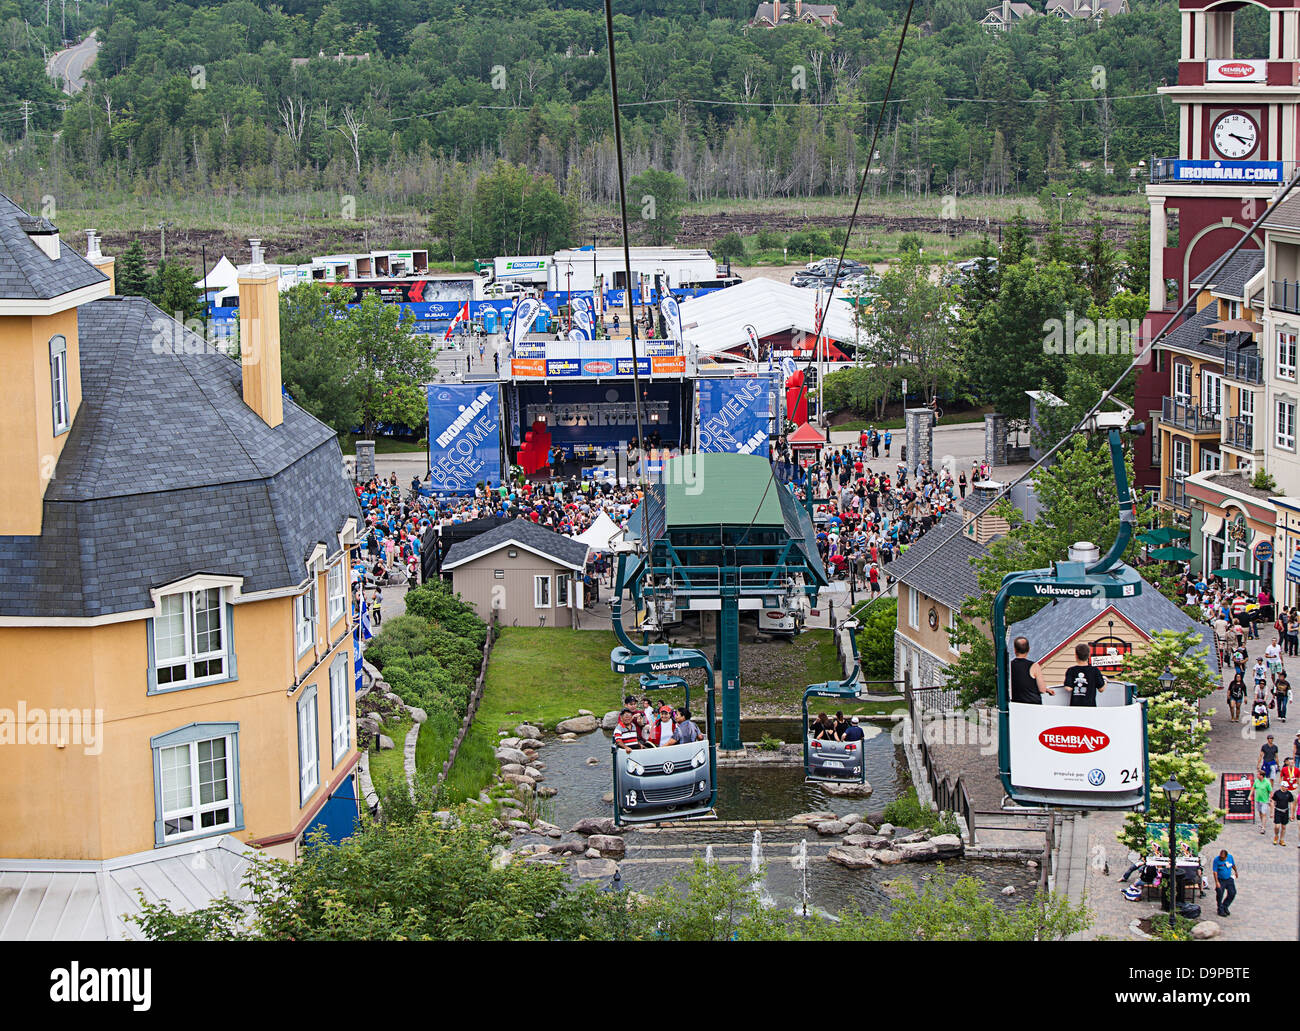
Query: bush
[
  {"x": 809, "y": 241},
  {"x": 769, "y": 240},
  {"x": 907, "y": 811},
  {"x": 876, "y": 640},
  {"x": 910, "y": 242},
  {"x": 730, "y": 246}
]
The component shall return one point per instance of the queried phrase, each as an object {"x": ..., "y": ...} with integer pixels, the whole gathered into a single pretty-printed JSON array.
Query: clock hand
[{"x": 1241, "y": 139}]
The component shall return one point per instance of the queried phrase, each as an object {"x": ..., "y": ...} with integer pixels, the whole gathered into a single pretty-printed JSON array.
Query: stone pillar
[
  {"x": 995, "y": 439},
  {"x": 365, "y": 460},
  {"x": 920, "y": 439}
]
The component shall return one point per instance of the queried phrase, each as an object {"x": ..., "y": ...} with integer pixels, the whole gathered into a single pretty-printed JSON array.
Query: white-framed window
[
  {"x": 308, "y": 748},
  {"x": 1182, "y": 381},
  {"x": 1286, "y": 355},
  {"x": 337, "y": 594},
  {"x": 340, "y": 712},
  {"x": 59, "y": 384},
  {"x": 1234, "y": 309},
  {"x": 913, "y": 608},
  {"x": 561, "y": 590},
  {"x": 1284, "y": 425},
  {"x": 1211, "y": 392},
  {"x": 1211, "y": 460},
  {"x": 1182, "y": 457},
  {"x": 304, "y": 617},
  {"x": 196, "y": 782},
  {"x": 1246, "y": 405},
  {"x": 541, "y": 592},
  {"x": 190, "y": 639},
  {"x": 952, "y": 625}
]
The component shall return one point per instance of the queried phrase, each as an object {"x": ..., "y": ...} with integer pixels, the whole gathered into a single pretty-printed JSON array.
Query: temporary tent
[{"x": 602, "y": 535}]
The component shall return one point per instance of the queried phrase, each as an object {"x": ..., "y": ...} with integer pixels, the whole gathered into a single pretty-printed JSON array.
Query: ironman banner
[
  {"x": 1077, "y": 749},
  {"x": 464, "y": 437}
]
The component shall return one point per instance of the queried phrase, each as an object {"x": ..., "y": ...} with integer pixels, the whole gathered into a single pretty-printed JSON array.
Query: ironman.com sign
[{"x": 1236, "y": 71}]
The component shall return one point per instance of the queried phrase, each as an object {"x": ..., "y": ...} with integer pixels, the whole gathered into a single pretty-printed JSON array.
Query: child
[{"x": 376, "y": 607}]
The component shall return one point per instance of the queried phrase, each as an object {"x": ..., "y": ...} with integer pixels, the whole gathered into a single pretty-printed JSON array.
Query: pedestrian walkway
[{"x": 1267, "y": 907}]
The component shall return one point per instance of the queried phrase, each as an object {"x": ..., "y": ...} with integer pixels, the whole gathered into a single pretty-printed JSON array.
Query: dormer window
[{"x": 59, "y": 384}]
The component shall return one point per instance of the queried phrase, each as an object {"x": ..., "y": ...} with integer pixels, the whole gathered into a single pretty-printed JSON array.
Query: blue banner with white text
[
  {"x": 464, "y": 437},
  {"x": 735, "y": 414}
]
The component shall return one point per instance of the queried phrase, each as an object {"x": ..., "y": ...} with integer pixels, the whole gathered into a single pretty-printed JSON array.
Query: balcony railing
[
  {"x": 1176, "y": 491},
  {"x": 1285, "y": 296},
  {"x": 1185, "y": 415},
  {"x": 1243, "y": 366},
  {"x": 1240, "y": 433}
]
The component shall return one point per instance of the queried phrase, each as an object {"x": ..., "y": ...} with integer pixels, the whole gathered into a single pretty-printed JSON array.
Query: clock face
[{"x": 1235, "y": 135}]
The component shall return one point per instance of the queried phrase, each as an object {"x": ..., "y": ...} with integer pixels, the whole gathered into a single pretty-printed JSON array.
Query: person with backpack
[{"x": 1236, "y": 695}]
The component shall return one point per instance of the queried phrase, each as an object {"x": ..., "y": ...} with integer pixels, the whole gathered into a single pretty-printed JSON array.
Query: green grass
[
  {"x": 387, "y": 769},
  {"x": 383, "y": 445},
  {"x": 949, "y": 419}
]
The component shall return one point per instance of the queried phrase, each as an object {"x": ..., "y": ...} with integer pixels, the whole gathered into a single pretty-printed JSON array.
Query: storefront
[
  {"x": 1286, "y": 583},
  {"x": 1237, "y": 526}
]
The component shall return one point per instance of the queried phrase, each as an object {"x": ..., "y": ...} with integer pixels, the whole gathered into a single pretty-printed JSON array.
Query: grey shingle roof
[
  {"x": 1286, "y": 215},
  {"x": 940, "y": 568},
  {"x": 1190, "y": 336},
  {"x": 519, "y": 531},
  {"x": 1236, "y": 272},
  {"x": 165, "y": 473},
  {"x": 27, "y": 272},
  {"x": 1151, "y": 611}
]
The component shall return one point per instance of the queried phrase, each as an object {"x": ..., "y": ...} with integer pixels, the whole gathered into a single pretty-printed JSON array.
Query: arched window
[{"x": 59, "y": 403}]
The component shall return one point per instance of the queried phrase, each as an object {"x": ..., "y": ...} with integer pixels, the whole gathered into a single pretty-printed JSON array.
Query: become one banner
[
  {"x": 464, "y": 437},
  {"x": 1077, "y": 748},
  {"x": 735, "y": 415}
]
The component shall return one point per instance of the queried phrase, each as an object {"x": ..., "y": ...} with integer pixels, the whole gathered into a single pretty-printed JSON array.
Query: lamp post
[
  {"x": 1173, "y": 792},
  {"x": 1060, "y": 204}
]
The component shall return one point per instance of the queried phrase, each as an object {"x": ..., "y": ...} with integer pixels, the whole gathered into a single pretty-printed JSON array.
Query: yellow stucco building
[{"x": 175, "y": 602}]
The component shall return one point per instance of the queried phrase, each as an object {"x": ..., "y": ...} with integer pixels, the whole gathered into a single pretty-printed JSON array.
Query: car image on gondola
[
  {"x": 834, "y": 760},
  {"x": 667, "y": 780}
]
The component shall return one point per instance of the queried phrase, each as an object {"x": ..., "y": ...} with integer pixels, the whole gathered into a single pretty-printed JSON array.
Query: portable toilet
[{"x": 489, "y": 320}]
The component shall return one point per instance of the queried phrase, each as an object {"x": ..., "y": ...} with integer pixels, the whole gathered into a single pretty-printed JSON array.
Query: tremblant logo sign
[{"x": 1073, "y": 740}]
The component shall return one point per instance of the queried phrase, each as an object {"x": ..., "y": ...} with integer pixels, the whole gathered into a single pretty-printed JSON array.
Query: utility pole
[
  {"x": 27, "y": 107},
  {"x": 162, "y": 241}
]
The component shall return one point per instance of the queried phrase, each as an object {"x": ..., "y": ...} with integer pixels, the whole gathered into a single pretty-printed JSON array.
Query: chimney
[
  {"x": 798, "y": 9},
  {"x": 1006, "y": 13},
  {"x": 259, "y": 338},
  {"x": 105, "y": 265}
]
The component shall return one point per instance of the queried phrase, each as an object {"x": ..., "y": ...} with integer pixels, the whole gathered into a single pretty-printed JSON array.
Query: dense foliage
[{"x": 235, "y": 94}]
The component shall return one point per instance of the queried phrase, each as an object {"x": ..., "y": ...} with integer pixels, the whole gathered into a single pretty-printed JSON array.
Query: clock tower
[{"x": 1238, "y": 142}]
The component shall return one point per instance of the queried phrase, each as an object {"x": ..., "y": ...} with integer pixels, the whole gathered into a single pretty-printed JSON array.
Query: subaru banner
[
  {"x": 735, "y": 415},
  {"x": 464, "y": 437}
]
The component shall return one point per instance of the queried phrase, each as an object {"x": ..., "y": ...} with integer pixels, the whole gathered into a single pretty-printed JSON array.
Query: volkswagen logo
[
  {"x": 668, "y": 767},
  {"x": 1096, "y": 778}
]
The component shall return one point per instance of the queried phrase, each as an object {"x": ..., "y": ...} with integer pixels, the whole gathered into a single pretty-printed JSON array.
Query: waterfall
[{"x": 708, "y": 855}]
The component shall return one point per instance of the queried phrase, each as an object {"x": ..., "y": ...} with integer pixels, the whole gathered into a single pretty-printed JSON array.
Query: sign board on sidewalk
[{"x": 1236, "y": 796}]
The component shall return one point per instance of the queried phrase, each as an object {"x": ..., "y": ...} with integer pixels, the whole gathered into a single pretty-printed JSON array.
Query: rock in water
[
  {"x": 592, "y": 868},
  {"x": 853, "y": 858},
  {"x": 607, "y": 844},
  {"x": 854, "y": 790},
  {"x": 594, "y": 825},
  {"x": 830, "y": 827},
  {"x": 578, "y": 725},
  {"x": 511, "y": 755},
  {"x": 1010, "y": 889},
  {"x": 807, "y": 818}
]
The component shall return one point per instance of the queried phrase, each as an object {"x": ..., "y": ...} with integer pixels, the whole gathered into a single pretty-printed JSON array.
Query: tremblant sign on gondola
[{"x": 1085, "y": 757}]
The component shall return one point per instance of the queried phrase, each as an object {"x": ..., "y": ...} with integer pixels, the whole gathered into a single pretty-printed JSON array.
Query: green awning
[
  {"x": 1163, "y": 535},
  {"x": 1234, "y": 574},
  {"x": 1174, "y": 554}
]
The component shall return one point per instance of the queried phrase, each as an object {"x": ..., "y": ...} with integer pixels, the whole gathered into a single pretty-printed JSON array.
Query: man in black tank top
[{"x": 1027, "y": 684}]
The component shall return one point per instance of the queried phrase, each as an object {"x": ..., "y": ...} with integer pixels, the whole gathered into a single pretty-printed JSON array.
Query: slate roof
[
  {"x": 977, "y": 501},
  {"x": 523, "y": 532},
  {"x": 26, "y": 272},
  {"x": 1237, "y": 271},
  {"x": 941, "y": 568},
  {"x": 1286, "y": 215},
  {"x": 166, "y": 472},
  {"x": 1058, "y": 621},
  {"x": 1190, "y": 336}
]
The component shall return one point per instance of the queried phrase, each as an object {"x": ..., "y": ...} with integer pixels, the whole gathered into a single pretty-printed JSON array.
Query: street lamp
[
  {"x": 1173, "y": 792},
  {"x": 1167, "y": 680},
  {"x": 1060, "y": 204}
]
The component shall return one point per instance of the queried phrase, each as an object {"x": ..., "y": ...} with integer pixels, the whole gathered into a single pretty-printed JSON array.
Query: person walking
[
  {"x": 1282, "y": 695},
  {"x": 1263, "y": 789},
  {"x": 1224, "y": 870},
  {"x": 1283, "y": 800}
]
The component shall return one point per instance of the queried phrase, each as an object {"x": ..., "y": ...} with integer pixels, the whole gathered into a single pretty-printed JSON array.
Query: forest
[{"x": 400, "y": 98}]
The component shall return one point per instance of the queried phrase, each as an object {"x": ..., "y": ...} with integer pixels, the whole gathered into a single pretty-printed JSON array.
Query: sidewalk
[{"x": 1267, "y": 907}]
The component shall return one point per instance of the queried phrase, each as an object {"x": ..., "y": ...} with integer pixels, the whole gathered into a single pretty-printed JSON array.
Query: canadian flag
[{"x": 461, "y": 316}]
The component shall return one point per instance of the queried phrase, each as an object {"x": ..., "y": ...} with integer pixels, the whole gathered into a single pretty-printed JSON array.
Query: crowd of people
[{"x": 651, "y": 724}]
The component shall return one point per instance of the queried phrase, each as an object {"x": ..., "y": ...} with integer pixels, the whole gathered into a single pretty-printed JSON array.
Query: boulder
[
  {"x": 863, "y": 828},
  {"x": 888, "y": 857},
  {"x": 585, "y": 712},
  {"x": 829, "y": 827},
  {"x": 508, "y": 742},
  {"x": 537, "y": 764},
  {"x": 887, "y": 829},
  {"x": 549, "y": 829},
  {"x": 530, "y": 742},
  {"x": 567, "y": 738},
  {"x": 592, "y": 761},
  {"x": 525, "y": 730},
  {"x": 580, "y": 724},
  {"x": 367, "y": 725},
  {"x": 853, "y": 790},
  {"x": 572, "y": 846},
  {"x": 849, "y": 819},
  {"x": 520, "y": 825},
  {"x": 853, "y": 858},
  {"x": 607, "y": 844},
  {"x": 1032, "y": 864},
  {"x": 608, "y": 796},
  {"x": 548, "y": 792},
  {"x": 522, "y": 779},
  {"x": 419, "y": 715},
  {"x": 505, "y": 754},
  {"x": 592, "y": 853},
  {"x": 594, "y": 825},
  {"x": 811, "y": 818},
  {"x": 610, "y": 720},
  {"x": 1010, "y": 889},
  {"x": 512, "y": 814},
  {"x": 393, "y": 697},
  {"x": 917, "y": 851},
  {"x": 589, "y": 869},
  {"x": 949, "y": 845},
  {"x": 512, "y": 768},
  {"x": 914, "y": 836},
  {"x": 386, "y": 743},
  {"x": 872, "y": 841},
  {"x": 1205, "y": 930}
]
